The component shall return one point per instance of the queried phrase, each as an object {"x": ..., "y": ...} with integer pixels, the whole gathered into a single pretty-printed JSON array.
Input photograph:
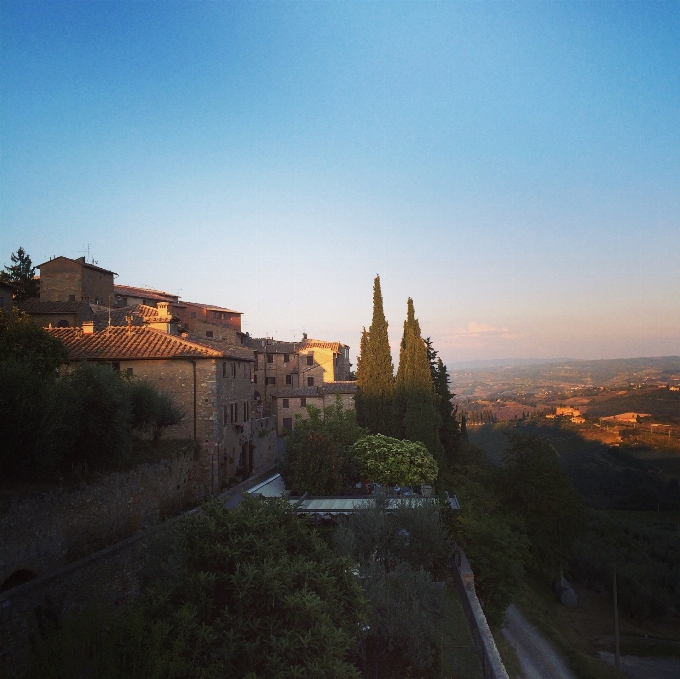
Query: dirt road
[{"x": 536, "y": 656}]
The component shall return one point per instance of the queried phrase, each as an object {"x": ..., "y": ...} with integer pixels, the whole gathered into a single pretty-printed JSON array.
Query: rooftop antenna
[{"x": 86, "y": 251}]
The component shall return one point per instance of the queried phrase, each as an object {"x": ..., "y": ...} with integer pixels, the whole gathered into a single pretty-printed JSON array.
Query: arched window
[
  {"x": 63, "y": 324},
  {"x": 17, "y": 578}
]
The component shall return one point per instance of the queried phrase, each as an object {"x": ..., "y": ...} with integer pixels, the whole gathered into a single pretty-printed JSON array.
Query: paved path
[
  {"x": 536, "y": 656},
  {"x": 646, "y": 668}
]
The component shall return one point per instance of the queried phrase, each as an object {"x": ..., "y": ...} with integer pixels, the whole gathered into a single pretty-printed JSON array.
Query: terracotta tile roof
[
  {"x": 80, "y": 261},
  {"x": 339, "y": 387},
  {"x": 230, "y": 350},
  {"x": 320, "y": 344},
  {"x": 211, "y": 307},
  {"x": 144, "y": 293},
  {"x": 324, "y": 389},
  {"x": 122, "y": 343},
  {"x": 140, "y": 314},
  {"x": 35, "y": 306}
]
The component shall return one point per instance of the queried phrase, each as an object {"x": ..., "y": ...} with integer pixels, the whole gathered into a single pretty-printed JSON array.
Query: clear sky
[{"x": 514, "y": 167}]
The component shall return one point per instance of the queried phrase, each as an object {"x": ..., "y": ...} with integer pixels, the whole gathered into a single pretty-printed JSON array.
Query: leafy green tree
[
  {"x": 533, "y": 486},
  {"x": 386, "y": 460},
  {"x": 258, "y": 594},
  {"x": 415, "y": 411},
  {"x": 317, "y": 451},
  {"x": 152, "y": 410},
  {"x": 23, "y": 340},
  {"x": 97, "y": 416},
  {"x": 375, "y": 372},
  {"x": 20, "y": 274}
]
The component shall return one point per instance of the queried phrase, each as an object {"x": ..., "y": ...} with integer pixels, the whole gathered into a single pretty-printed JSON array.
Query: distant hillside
[
  {"x": 604, "y": 372},
  {"x": 662, "y": 404}
]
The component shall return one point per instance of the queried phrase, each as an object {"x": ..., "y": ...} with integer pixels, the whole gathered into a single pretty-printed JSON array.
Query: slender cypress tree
[
  {"x": 375, "y": 372},
  {"x": 415, "y": 411}
]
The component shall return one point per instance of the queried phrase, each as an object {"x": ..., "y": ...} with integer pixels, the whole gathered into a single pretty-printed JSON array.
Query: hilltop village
[{"x": 228, "y": 383}]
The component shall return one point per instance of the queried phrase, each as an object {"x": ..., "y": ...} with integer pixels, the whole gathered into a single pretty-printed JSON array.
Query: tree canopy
[
  {"x": 257, "y": 594},
  {"x": 386, "y": 460},
  {"x": 317, "y": 451},
  {"x": 24, "y": 341},
  {"x": 375, "y": 372},
  {"x": 20, "y": 274}
]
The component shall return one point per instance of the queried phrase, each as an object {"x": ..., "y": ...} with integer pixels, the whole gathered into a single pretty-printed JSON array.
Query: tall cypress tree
[
  {"x": 449, "y": 429},
  {"x": 375, "y": 372},
  {"x": 415, "y": 411}
]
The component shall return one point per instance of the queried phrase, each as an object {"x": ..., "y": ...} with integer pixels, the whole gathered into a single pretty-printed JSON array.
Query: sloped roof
[
  {"x": 320, "y": 344},
  {"x": 34, "y": 306},
  {"x": 212, "y": 307},
  {"x": 140, "y": 314},
  {"x": 144, "y": 293},
  {"x": 80, "y": 261},
  {"x": 123, "y": 343},
  {"x": 232, "y": 350}
]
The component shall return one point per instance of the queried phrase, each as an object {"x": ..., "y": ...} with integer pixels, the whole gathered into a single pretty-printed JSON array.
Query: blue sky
[{"x": 514, "y": 167}]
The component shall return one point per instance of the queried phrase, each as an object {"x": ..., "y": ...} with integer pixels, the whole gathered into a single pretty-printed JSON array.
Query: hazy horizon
[{"x": 514, "y": 168}]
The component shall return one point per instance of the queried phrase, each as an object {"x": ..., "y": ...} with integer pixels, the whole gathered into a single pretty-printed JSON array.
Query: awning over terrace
[{"x": 333, "y": 505}]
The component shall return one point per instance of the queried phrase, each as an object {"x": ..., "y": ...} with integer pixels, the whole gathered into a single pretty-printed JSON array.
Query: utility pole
[{"x": 617, "y": 654}]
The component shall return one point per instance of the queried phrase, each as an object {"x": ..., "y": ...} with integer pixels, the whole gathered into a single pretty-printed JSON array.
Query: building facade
[
  {"x": 75, "y": 280},
  {"x": 287, "y": 406},
  {"x": 213, "y": 388}
]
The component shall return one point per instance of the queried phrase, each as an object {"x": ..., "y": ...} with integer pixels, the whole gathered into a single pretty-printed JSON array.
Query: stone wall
[{"x": 45, "y": 531}]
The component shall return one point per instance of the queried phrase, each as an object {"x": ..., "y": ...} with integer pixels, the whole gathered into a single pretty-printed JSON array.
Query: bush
[
  {"x": 258, "y": 594},
  {"x": 385, "y": 460}
]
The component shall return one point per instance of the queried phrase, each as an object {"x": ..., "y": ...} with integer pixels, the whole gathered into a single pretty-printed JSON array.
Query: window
[
  {"x": 63, "y": 323},
  {"x": 208, "y": 333},
  {"x": 270, "y": 358},
  {"x": 286, "y": 403},
  {"x": 129, "y": 372},
  {"x": 193, "y": 314},
  {"x": 288, "y": 423},
  {"x": 310, "y": 381},
  {"x": 224, "y": 368},
  {"x": 271, "y": 380},
  {"x": 233, "y": 412},
  {"x": 233, "y": 369},
  {"x": 289, "y": 379},
  {"x": 246, "y": 411},
  {"x": 116, "y": 366},
  {"x": 71, "y": 298},
  {"x": 310, "y": 359},
  {"x": 303, "y": 402},
  {"x": 286, "y": 358},
  {"x": 245, "y": 370},
  {"x": 255, "y": 378}
]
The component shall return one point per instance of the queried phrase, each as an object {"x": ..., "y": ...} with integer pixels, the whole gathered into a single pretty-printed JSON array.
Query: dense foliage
[
  {"x": 647, "y": 561},
  {"x": 532, "y": 486},
  {"x": 23, "y": 340},
  {"x": 375, "y": 372},
  {"x": 317, "y": 451},
  {"x": 55, "y": 422},
  {"x": 385, "y": 460},
  {"x": 400, "y": 555},
  {"x": 449, "y": 428}
]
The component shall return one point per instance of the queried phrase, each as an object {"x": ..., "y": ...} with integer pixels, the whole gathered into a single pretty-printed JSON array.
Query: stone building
[
  {"x": 57, "y": 314},
  {"x": 128, "y": 295},
  {"x": 286, "y": 405},
  {"x": 212, "y": 386},
  {"x": 283, "y": 367},
  {"x": 75, "y": 280}
]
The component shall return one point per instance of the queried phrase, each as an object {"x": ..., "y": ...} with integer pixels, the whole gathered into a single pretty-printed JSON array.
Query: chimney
[
  {"x": 163, "y": 308},
  {"x": 88, "y": 327},
  {"x": 304, "y": 335}
]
